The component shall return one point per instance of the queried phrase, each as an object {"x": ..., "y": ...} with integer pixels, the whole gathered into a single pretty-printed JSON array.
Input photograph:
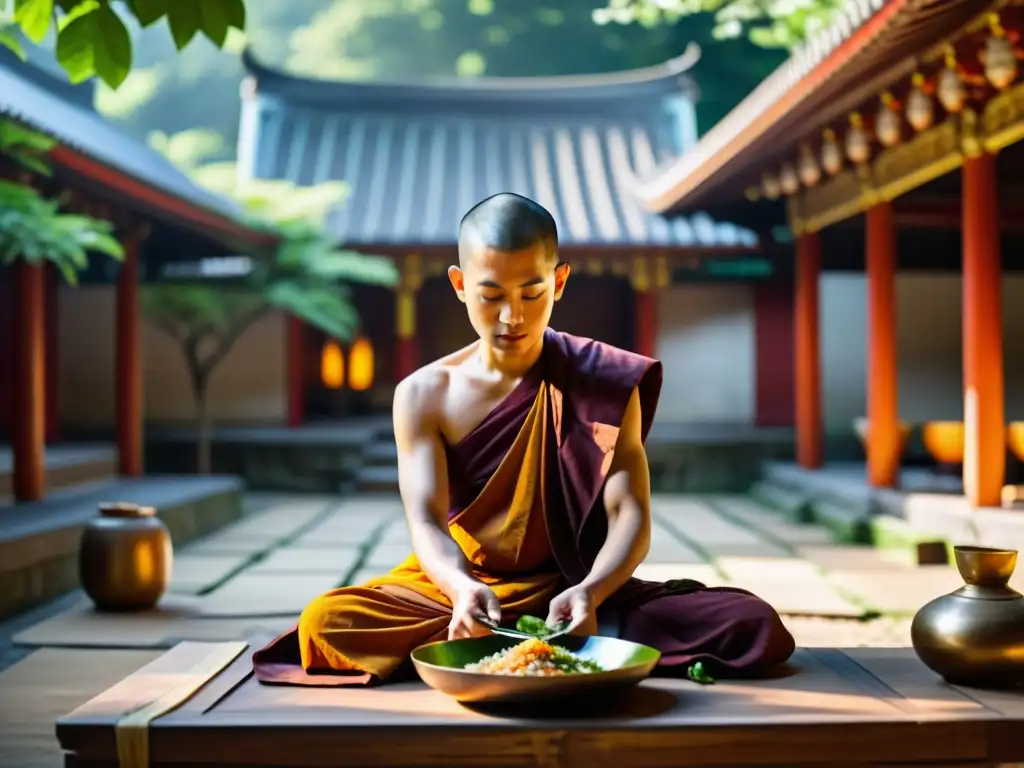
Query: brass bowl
[
  {"x": 944, "y": 441},
  {"x": 441, "y": 666}
]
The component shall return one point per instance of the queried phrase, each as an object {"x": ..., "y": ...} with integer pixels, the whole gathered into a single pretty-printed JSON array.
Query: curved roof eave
[{"x": 658, "y": 80}]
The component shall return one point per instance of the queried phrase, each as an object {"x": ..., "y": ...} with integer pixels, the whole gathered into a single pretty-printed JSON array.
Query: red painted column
[
  {"x": 645, "y": 322},
  {"x": 406, "y": 357},
  {"x": 128, "y": 381},
  {"x": 883, "y": 439},
  {"x": 52, "y": 355},
  {"x": 774, "y": 355},
  {"x": 296, "y": 367},
  {"x": 29, "y": 386},
  {"x": 807, "y": 352},
  {"x": 984, "y": 428}
]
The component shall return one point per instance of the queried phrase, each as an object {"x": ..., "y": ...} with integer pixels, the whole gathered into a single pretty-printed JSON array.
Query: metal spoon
[{"x": 493, "y": 626}]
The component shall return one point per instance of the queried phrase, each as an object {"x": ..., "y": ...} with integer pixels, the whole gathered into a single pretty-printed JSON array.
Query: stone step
[
  {"x": 376, "y": 479},
  {"x": 39, "y": 540},
  {"x": 381, "y": 453}
]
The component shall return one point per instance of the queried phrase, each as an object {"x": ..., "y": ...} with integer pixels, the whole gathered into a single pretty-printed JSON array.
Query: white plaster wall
[
  {"x": 250, "y": 384},
  {"x": 928, "y": 343},
  {"x": 706, "y": 345}
]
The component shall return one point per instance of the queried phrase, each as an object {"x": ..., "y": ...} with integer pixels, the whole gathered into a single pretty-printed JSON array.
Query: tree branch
[{"x": 229, "y": 339}]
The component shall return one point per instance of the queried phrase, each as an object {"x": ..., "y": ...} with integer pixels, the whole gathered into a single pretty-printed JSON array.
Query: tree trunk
[{"x": 204, "y": 463}]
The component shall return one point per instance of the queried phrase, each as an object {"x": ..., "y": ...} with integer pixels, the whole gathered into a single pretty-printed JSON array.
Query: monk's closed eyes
[{"x": 525, "y": 484}]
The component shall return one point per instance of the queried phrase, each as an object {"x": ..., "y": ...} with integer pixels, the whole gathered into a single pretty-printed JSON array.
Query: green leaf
[
  {"x": 148, "y": 12},
  {"x": 9, "y": 39},
  {"x": 218, "y": 16},
  {"x": 75, "y": 43},
  {"x": 185, "y": 18},
  {"x": 34, "y": 16},
  {"x": 698, "y": 675},
  {"x": 113, "y": 47}
]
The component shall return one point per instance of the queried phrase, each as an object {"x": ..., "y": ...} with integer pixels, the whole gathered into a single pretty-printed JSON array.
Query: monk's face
[{"x": 509, "y": 294}]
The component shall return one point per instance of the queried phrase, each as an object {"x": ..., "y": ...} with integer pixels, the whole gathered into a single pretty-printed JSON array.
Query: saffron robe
[{"x": 527, "y": 511}]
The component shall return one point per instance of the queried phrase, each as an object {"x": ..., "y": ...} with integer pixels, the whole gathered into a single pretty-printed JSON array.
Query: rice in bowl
[{"x": 533, "y": 658}]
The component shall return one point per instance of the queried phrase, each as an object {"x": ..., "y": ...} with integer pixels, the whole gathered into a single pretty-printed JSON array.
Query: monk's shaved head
[{"x": 507, "y": 222}]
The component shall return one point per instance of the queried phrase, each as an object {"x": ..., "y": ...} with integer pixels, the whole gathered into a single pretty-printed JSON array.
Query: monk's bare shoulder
[{"x": 421, "y": 396}]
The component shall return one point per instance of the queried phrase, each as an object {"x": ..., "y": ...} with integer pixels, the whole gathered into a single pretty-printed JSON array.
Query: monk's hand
[
  {"x": 473, "y": 600},
  {"x": 574, "y": 605}
]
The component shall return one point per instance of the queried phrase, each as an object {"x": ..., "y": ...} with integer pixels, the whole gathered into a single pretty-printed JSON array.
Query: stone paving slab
[
  {"x": 697, "y": 522},
  {"x": 226, "y": 544},
  {"x": 387, "y": 556},
  {"x": 791, "y": 585},
  {"x": 706, "y": 574},
  {"x": 192, "y": 574},
  {"x": 367, "y": 573},
  {"x": 898, "y": 593},
  {"x": 267, "y": 594},
  {"x": 850, "y": 557},
  {"x": 665, "y": 548},
  {"x": 334, "y": 560},
  {"x": 758, "y": 517},
  {"x": 175, "y": 618}
]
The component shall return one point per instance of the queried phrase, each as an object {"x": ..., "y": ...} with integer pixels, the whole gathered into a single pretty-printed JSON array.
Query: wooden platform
[{"x": 198, "y": 705}]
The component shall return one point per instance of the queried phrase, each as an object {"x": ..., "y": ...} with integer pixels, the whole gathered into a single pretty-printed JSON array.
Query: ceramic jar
[
  {"x": 975, "y": 635},
  {"x": 125, "y": 557}
]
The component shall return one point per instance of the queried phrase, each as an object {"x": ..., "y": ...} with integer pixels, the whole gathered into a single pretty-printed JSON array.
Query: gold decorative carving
[
  {"x": 837, "y": 198},
  {"x": 1002, "y": 122},
  {"x": 412, "y": 272},
  {"x": 640, "y": 276},
  {"x": 662, "y": 273},
  {"x": 594, "y": 267},
  {"x": 620, "y": 268},
  {"x": 927, "y": 156}
]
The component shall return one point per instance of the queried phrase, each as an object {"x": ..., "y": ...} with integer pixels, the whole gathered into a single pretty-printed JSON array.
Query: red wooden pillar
[
  {"x": 29, "y": 373},
  {"x": 984, "y": 428},
  {"x": 773, "y": 354},
  {"x": 296, "y": 367},
  {"x": 406, "y": 359},
  {"x": 128, "y": 383},
  {"x": 645, "y": 308},
  {"x": 52, "y": 355},
  {"x": 883, "y": 438},
  {"x": 807, "y": 353}
]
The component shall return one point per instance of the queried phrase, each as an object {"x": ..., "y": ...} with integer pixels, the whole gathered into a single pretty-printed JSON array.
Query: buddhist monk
[{"x": 526, "y": 488}]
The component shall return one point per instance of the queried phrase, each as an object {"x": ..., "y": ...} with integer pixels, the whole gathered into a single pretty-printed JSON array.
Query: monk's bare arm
[
  {"x": 627, "y": 499},
  {"x": 423, "y": 480}
]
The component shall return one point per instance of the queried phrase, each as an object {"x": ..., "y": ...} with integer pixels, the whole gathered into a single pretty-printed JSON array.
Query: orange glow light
[
  {"x": 360, "y": 365},
  {"x": 332, "y": 365}
]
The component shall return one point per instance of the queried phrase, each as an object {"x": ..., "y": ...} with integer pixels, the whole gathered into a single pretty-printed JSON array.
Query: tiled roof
[
  {"x": 417, "y": 157},
  {"x": 52, "y": 106}
]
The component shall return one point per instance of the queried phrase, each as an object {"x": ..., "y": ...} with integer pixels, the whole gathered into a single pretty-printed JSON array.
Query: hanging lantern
[
  {"x": 920, "y": 109},
  {"x": 332, "y": 365},
  {"x": 360, "y": 365},
  {"x": 888, "y": 126},
  {"x": 807, "y": 167},
  {"x": 770, "y": 186},
  {"x": 858, "y": 145},
  {"x": 998, "y": 56},
  {"x": 949, "y": 86},
  {"x": 788, "y": 180},
  {"x": 831, "y": 155}
]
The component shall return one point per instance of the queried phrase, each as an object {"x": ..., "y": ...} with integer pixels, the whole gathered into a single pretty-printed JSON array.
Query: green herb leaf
[
  {"x": 218, "y": 16},
  {"x": 113, "y": 47},
  {"x": 75, "y": 48},
  {"x": 34, "y": 16},
  {"x": 531, "y": 625},
  {"x": 697, "y": 674}
]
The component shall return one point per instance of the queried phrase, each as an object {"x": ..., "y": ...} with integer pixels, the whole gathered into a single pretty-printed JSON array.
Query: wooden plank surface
[{"x": 872, "y": 706}]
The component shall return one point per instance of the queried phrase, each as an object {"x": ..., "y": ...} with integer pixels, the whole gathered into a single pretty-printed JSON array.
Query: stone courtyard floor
[{"x": 257, "y": 575}]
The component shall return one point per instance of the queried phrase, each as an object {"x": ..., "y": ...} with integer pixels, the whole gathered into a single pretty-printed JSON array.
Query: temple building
[
  {"x": 416, "y": 157},
  {"x": 74, "y": 358},
  {"x": 893, "y": 140}
]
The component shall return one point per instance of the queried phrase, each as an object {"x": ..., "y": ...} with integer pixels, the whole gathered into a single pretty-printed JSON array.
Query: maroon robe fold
[{"x": 731, "y": 631}]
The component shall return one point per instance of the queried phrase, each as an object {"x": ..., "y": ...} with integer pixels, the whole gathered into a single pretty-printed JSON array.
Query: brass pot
[
  {"x": 975, "y": 635},
  {"x": 125, "y": 558}
]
